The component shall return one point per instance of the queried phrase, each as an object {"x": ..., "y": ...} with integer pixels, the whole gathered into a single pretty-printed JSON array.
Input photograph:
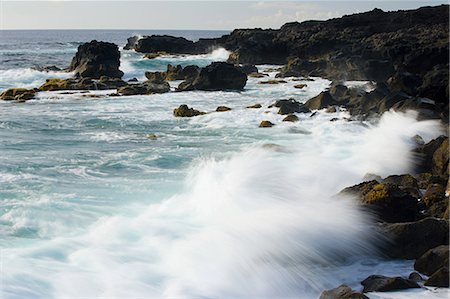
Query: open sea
[{"x": 215, "y": 207}]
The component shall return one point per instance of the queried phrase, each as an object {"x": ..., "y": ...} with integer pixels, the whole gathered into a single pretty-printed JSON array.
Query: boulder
[
  {"x": 266, "y": 124},
  {"x": 323, "y": 100},
  {"x": 433, "y": 194},
  {"x": 426, "y": 161},
  {"x": 291, "y": 118},
  {"x": 185, "y": 111},
  {"x": 103, "y": 83},
  {"x": 388, "y": 202},
  {"x": 300, "y": 86},
  {"x": 433, "y": 260},
  {"x": 156, "y": 77},
  {"x": 342, "y": 292},
  {"x": 144, "y": 88},
  {"x": 289, "y": 106},
  {"x": 440, "y": 278},
  {"x": 405, "y": 182},
  {"x": 414, "y": 276},
  {"x": 412, "y": 239},
  {"x": 248, "y": 69},
  {"x": 380, "y": 283},
  {"x": 96, "y": 59},
  {"x": 222, "y": 109},
  {"x": 216, "y": 76},
  {"x": 18, "y": 94}
]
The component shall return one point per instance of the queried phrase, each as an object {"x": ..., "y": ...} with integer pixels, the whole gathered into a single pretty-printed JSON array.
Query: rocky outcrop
[
  {"x": 379, "y": 283},
  {"x": 323, "y": 100},
  {"x": 342, "y": 292},
  {"x": 96, "y": 59},
  {"x": 163, "y": 43},
  {"x": 18, "y": 94},
  {"x": 216, "y": 76},
  {"x": 433, "y": 157},
  {"x": 185, "y": 111}
]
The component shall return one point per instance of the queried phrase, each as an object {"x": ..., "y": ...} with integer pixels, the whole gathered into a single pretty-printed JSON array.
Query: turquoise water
[{"x": 215, "y": 207}]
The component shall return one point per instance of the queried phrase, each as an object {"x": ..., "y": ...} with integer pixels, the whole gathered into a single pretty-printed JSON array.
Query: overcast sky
[{"x": 208, "y": 15}]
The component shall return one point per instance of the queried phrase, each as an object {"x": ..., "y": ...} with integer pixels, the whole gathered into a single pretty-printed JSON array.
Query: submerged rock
[
  {"x": 291, "y": 118},
  {"x": 255, "y": 106},
  {"x": 96, "y": 59},
  {"x": 185, "y": 111},
  {"x": 323, "y": 100},
  {"x": 379, "y": 283}
]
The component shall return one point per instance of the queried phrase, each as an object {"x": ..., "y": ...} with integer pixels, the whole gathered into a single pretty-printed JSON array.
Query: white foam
[{"x": 27, "y": 78}]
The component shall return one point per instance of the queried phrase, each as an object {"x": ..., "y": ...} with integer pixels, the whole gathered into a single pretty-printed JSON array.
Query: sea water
[{"x": 215, "y": 207}]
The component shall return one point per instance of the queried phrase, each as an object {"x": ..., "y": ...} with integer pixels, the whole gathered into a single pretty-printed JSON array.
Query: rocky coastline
[{"x": 404, "y": 54}]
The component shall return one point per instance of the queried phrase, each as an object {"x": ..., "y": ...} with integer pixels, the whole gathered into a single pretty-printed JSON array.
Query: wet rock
[
  {"x": 291, "y": 118},
  {"x": 248, "y": 69},
  {"x": 258, "y": 75},
  {"x": 271, "y": 82},
  {"x": 266, "y": 124},
  {"x": 300, "y": 86},
  {"x": 109, "y": 83},
  {"x": 412, "y": 239},
  {"x": 433, "y": 260},
  {"x": 152, "y": 136},
  {"x": 68, "y": 84},
  {"x": 405, "y": 182},
  {"x": 185, "y": 111},
  {"x": 379, "y": 283},
  {"x": 222, "y": 109},
  {"x": 96, "y": 59},
  {"x": 144, "y": 88},
  {"x": 133, "y": 80},
  {"x": 174, "y": 73},
  {"x": 388, "y": 202},
  {"x": 434, "y": 193},
  {"x": 154, "y": 55},
  {"x": 440, "y": 278},
  {"x": 323, "y": 100},
  {"x": 433, "y": 157},
  {"x": 255, "y": 106},
  {"x": 414, "y": 276},
  {"x": 289, "y": 106},
  {"x": 216, "y": 76},
  {"x": 18, "y": 94},
  {"x": 331, "y": 109},
  {"x": 342, "y": 292},
  {"x": 164, "y": 43},
  {"x": 51, "y": 68}
]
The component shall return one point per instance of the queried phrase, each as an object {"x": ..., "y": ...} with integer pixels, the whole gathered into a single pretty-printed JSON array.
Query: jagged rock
[
  {"x": 18, "y": 94},
  {"x": 342, "y": 292},
  {"x": 164, "y": 43},
  {"x": 434, "y": 193},
  {"x": 379, "y": 283},
  {"x": 412, "y": 239},
  {"x": 266, "y": 124},
  {"x": 222, "y": 109},
  {"x": 432, "y": 260},
  {"x": 440, "y": 278},
  {"x": 216, "y": 76},
  {"x": 405, "y": 182},
  {"x": 103, "y": 83},
  {"x": 289, "y": 106},
  {"x": 146, "y": 87},
  {"x": 291, "y": 118},
  {"x": 433, "y": 157},
  {"x": 185, "y": 111},
  {"x": 323, "y": 100},
  {"x": 96, "y": 59}
]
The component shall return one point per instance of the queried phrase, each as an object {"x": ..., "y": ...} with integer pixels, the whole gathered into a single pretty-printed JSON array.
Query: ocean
[{"x": 214, "y": 207}]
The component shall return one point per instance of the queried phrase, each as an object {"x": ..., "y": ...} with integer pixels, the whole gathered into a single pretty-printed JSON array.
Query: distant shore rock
[{"x": 95, "y": 59}]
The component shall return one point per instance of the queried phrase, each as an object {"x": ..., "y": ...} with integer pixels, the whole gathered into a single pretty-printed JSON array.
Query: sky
[{"x": 207, "y": 15}]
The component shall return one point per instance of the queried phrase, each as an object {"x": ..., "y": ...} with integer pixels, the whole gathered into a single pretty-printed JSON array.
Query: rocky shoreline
[{"x": 404, "y": 54}]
